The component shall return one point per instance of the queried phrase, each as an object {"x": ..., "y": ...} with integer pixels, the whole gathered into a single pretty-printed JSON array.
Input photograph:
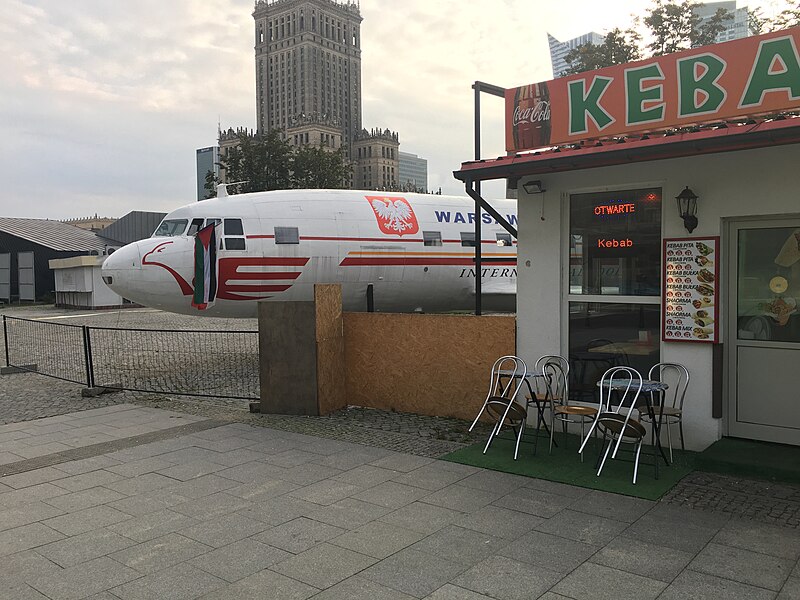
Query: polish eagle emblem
[{"x": 394, "y": 215}]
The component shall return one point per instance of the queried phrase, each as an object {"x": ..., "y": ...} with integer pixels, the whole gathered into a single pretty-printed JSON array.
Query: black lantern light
[{"x": 687, "y": 208}]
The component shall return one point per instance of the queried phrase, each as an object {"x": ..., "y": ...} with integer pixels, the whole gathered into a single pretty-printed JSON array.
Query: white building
[
  {"x": 559, "y": 50},
  {"x": 413, "y": 171}
]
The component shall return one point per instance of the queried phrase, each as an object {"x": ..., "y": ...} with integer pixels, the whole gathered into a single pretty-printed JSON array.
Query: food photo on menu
[{"x": 691, "y": 289}]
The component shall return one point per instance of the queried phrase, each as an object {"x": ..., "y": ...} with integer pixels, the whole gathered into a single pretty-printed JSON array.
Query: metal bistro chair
[
  {"x": 615, "y": 418},
  {"x": 670, "y": 409},
  {"x": 556, "y": 376},
  {"x": 508, "y": 373}
]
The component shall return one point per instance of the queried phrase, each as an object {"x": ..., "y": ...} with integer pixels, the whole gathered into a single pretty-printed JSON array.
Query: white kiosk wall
[{"x": 733, "y": 184}]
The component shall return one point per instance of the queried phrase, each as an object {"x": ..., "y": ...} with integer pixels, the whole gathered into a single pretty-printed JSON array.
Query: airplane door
[{"x": 5, "y": 277}]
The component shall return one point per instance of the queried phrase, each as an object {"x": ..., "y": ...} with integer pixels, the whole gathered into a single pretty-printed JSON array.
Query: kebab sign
[
  {"x": 690, "y": 298},
  {"x": 752, "y": 76}
]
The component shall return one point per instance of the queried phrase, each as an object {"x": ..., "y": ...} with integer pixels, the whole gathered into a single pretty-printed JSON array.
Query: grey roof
[
  {"x": 136, "y": 225},
  {"x": 53, "y": 234}
]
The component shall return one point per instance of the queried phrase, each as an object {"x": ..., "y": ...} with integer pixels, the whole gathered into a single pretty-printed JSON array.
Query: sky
[{"x": 103, "y": 103}]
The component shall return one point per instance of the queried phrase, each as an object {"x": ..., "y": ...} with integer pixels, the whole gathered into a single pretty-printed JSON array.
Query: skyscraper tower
[{"x": 308, "y": 69}]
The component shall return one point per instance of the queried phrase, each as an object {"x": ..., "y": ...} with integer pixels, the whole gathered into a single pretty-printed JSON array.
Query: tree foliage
[
  {"x": 788, "y": 17},
  {"x": 260, "y": 163},
  {"x": 671, "y": 26},
  {"x": 317, "y": 168},
  {"x": 619, "y": 47},
  {"x": 676, "y": 26}
]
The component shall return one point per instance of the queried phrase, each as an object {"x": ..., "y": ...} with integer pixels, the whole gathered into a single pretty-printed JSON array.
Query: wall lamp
[
  {"x": 687, "y": 208},
  {"x": 533, "y": 187}
]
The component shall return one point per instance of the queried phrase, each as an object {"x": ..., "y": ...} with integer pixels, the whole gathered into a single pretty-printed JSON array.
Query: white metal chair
[
  {"x": 556, "y": 372},
  {"x": 501, "y": 404},
  {"x": 670, "y": 409},
  {"x": 614, "y": 418}
]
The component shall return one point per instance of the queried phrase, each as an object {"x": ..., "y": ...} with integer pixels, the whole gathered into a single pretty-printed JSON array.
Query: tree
[
  {"x": 267, "y": 162},
  {"x": 260, "y": 162},
  {"x": 210, "y": 185},
  {"x": 788, "y": 17},
  {"x": 676, "y": 26},
  {"x": 317, "y": 168},
  {"x": 619, "y": 47}
]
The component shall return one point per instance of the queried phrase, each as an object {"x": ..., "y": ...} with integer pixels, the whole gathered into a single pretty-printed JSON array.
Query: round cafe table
[{"x": 650, "y": 388}]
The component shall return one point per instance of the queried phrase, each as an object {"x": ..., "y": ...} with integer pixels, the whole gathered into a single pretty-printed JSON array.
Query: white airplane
[{"x": 416, "y": 250}]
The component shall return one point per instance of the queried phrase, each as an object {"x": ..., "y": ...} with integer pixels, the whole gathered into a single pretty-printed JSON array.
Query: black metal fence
[{"x": 188, "y": 362}]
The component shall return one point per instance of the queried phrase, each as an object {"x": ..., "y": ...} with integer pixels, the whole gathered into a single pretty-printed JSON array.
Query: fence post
[
  {"x": 5, "y": 339},
  {"x": 87, "y": 355}
]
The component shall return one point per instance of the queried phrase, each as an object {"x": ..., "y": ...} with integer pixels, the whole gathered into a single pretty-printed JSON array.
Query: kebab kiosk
[{"x": 669, "y": 230}]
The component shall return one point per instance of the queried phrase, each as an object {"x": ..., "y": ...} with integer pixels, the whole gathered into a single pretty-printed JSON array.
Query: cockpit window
[
  {"x": 171, "y": 228},
  {"x": 233, "y": 227},
  {"x": 197, "y": 225}
]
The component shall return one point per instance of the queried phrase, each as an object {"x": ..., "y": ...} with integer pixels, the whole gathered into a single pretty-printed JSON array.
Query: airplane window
[
  {"x": 468, "y": 238},
  {"x": 234, "y": 243},
  {"x": 432, "y": 238},
  {"x": 233, "y": 227},
  {"x": 171, "y": 228},
  {"x": 287, "y": 235},
  {"x": 213, "y": 220},
  {"x": 504, "y": 239},
  {"x": 197, "y": 225}
]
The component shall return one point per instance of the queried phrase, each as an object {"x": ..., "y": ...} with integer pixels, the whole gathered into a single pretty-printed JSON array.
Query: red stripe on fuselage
[
  {"x": 257, "y": 288},
  {"x": 263, "y": 261},
  {"x": 378, "y": 262},
  {"x": 323, "y": 238}
]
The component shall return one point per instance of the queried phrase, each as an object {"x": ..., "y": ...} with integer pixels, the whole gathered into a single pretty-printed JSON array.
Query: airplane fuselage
[{"x": 416, "y": 250}]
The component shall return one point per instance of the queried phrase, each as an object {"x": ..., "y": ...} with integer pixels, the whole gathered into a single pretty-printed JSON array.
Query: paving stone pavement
[
  {"x": 348, "y": 506},
  {"x": 233, "y": 510}
]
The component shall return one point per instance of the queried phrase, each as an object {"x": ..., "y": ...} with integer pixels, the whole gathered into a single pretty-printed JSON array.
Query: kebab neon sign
[{"x": 776, "y": 68}]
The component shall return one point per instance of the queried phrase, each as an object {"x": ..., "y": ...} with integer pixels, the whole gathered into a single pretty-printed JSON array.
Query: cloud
[{"x": 103, "y": 104}]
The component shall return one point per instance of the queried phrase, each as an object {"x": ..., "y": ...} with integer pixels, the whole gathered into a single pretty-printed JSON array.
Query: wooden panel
[
  {"x": 331, "y": 394},
  {"x": 426, "y": 364},
  {"x": 287, "y": 356}
]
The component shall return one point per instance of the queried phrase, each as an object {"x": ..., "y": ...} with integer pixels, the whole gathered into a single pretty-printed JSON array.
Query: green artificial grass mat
[
  {"x": 750, "y": 458},
  {"x": 564, "y": 465}
]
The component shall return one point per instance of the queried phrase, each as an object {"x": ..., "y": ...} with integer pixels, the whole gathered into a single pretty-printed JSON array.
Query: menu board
[{"x": 690, "y": 299}]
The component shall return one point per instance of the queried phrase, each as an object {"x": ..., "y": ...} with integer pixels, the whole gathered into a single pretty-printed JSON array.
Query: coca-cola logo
[{"x": 538, "y": 113}]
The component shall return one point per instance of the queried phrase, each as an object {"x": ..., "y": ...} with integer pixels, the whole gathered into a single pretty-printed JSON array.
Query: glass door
[{"x": 764, "y": 330}]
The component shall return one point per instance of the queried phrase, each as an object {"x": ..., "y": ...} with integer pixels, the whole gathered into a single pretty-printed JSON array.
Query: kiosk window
[
  {"x": 615, "y": 243},
  {"x": 468, "y": 238},
  {"x": 287, "y": 235},
  {"x": 432, "y": 238}
]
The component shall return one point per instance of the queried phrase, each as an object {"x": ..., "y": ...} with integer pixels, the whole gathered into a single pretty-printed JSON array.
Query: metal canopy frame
[{"x": 473, "y": 188}]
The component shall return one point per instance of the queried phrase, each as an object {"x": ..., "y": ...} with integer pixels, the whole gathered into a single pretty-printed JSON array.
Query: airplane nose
[
  {"x": 127, "y": 257},
  {"x": 118, "y": 268}
]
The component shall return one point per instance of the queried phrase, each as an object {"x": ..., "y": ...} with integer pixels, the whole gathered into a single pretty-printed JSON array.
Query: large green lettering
[
  {"x": 762, "y": 81},
  {"x": 583, "y": 104},
  {"x": 635, "y": 96},
  {"x": 689, "y": 85}
]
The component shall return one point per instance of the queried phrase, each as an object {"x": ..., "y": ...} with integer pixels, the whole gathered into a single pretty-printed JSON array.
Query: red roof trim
[{"x": 615, "y": 152}]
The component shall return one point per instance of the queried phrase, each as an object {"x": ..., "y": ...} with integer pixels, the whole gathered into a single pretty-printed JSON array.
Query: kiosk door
[{"x": 764, "y": 330}]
